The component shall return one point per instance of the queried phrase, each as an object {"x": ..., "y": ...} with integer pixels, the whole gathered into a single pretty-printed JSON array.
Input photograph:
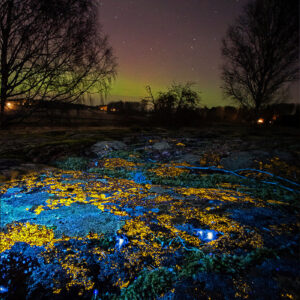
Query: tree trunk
[
  {"x": 2, "y": 104},
  {"x": 4, "y": 72},
  {"x": 4, "y": 81}
]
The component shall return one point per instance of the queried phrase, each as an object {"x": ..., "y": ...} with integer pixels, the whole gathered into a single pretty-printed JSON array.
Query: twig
[
  {"x": 184, "y": 246},
  {"x": 268, "y": 173},
  {"x": 235, "y": 173}
]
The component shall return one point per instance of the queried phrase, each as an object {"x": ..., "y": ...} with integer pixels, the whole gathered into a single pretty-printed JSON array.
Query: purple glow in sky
[{"x": 158, "y": 42}]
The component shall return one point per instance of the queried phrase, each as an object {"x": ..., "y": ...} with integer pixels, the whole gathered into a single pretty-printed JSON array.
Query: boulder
[
  {"x": 159, "y": 190},
  {"x": 161, "y": 146},
  {"x": 238, "y": 160},
  {"x": 284, "y": 156},
  {"x": 101, "y": 147},
  {"x": 244, "y": 159},
  {"x": 190, "y": 158},
  {"x": 76, "y": 220}
]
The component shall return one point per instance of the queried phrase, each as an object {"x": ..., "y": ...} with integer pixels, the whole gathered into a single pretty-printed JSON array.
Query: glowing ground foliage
[
  {"x": 166, "y": 235},
  {"x": 34, "y": 235},
  {"x": 170, "y": 170},
  {"x": 112, "y": 163}
]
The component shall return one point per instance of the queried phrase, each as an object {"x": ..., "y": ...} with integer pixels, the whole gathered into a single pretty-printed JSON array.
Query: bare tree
[
  {"x": 178, "y": 99},
  {"x": 261, "y": 52},
  {"x": 150, "y": 97},
  {"x": 52, "y": 50}
]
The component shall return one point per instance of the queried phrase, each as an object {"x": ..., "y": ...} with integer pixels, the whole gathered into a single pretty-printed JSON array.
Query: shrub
[
  {"x": 149, "y": 285},
  {"x": 73, "y": 163}
]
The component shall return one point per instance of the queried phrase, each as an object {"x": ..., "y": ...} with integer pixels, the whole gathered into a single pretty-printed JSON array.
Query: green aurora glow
[
  {"x": 130, "y": 89},
  {"x": 160, "y": 42}
]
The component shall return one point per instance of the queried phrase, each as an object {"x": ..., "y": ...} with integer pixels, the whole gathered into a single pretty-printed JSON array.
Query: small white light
[
  {"x": 121, "y": 241},
  {"x": 210, "y": 235},
  {"x": 3, "y": 289},
  {"x": 200, "y": 232}
]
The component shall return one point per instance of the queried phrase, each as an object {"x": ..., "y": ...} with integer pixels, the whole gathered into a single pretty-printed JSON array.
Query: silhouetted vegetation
[
  {"x": 177, "y": 105},
  {"x": 51, "y": 50},
  {"x": 261, "y": 53}
]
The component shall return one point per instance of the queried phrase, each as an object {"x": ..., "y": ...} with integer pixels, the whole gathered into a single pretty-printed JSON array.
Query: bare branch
[
  {"x": 261, "y": 52},
  {"x": 52, "y": 50}
]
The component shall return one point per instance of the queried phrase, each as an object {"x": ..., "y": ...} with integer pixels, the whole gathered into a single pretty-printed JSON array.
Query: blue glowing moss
[{"x": 139, "y": 178}]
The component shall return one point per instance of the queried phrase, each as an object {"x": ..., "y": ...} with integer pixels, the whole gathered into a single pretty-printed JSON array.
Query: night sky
[{"x": 158, "y": 42}]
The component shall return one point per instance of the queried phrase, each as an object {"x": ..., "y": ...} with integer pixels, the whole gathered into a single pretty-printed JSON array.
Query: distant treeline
[
  {"x": 281, "y": 113},
  {"x": 52, "y": 112}
]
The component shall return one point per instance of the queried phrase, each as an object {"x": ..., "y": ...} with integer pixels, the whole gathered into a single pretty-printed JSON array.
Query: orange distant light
[
  {"x": 260, "y": 121},
  {"x": 9, "y": 105}
]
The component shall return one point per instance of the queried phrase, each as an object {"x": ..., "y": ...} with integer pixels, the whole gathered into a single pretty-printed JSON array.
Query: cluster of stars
[{"x": 159, "y": 42}]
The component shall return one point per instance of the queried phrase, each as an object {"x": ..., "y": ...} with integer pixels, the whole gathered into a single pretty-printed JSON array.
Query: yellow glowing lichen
[
  {"x": 152, "y": 235},
  {"x": 210, "y": 159},
  {"x": 222, "y": 195},
  {"x": 112, "y": 163},
  {"x": 32, "y": 234},
  {"x": 122, "y": 284},
  {"x": 77, "y": 270},
  {"x": 242, "y": 288},
  {"x": 170, "y": 170}
]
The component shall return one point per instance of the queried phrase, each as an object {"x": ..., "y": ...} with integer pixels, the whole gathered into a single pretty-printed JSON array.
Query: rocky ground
[{"x": 137, "y": 213}]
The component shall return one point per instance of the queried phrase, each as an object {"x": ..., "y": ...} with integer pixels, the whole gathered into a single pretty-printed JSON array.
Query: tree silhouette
[
  {"x": 51, "y": 50},
  {"x": 178, "y": 99},
  {"x": 261, "y": 52}
]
